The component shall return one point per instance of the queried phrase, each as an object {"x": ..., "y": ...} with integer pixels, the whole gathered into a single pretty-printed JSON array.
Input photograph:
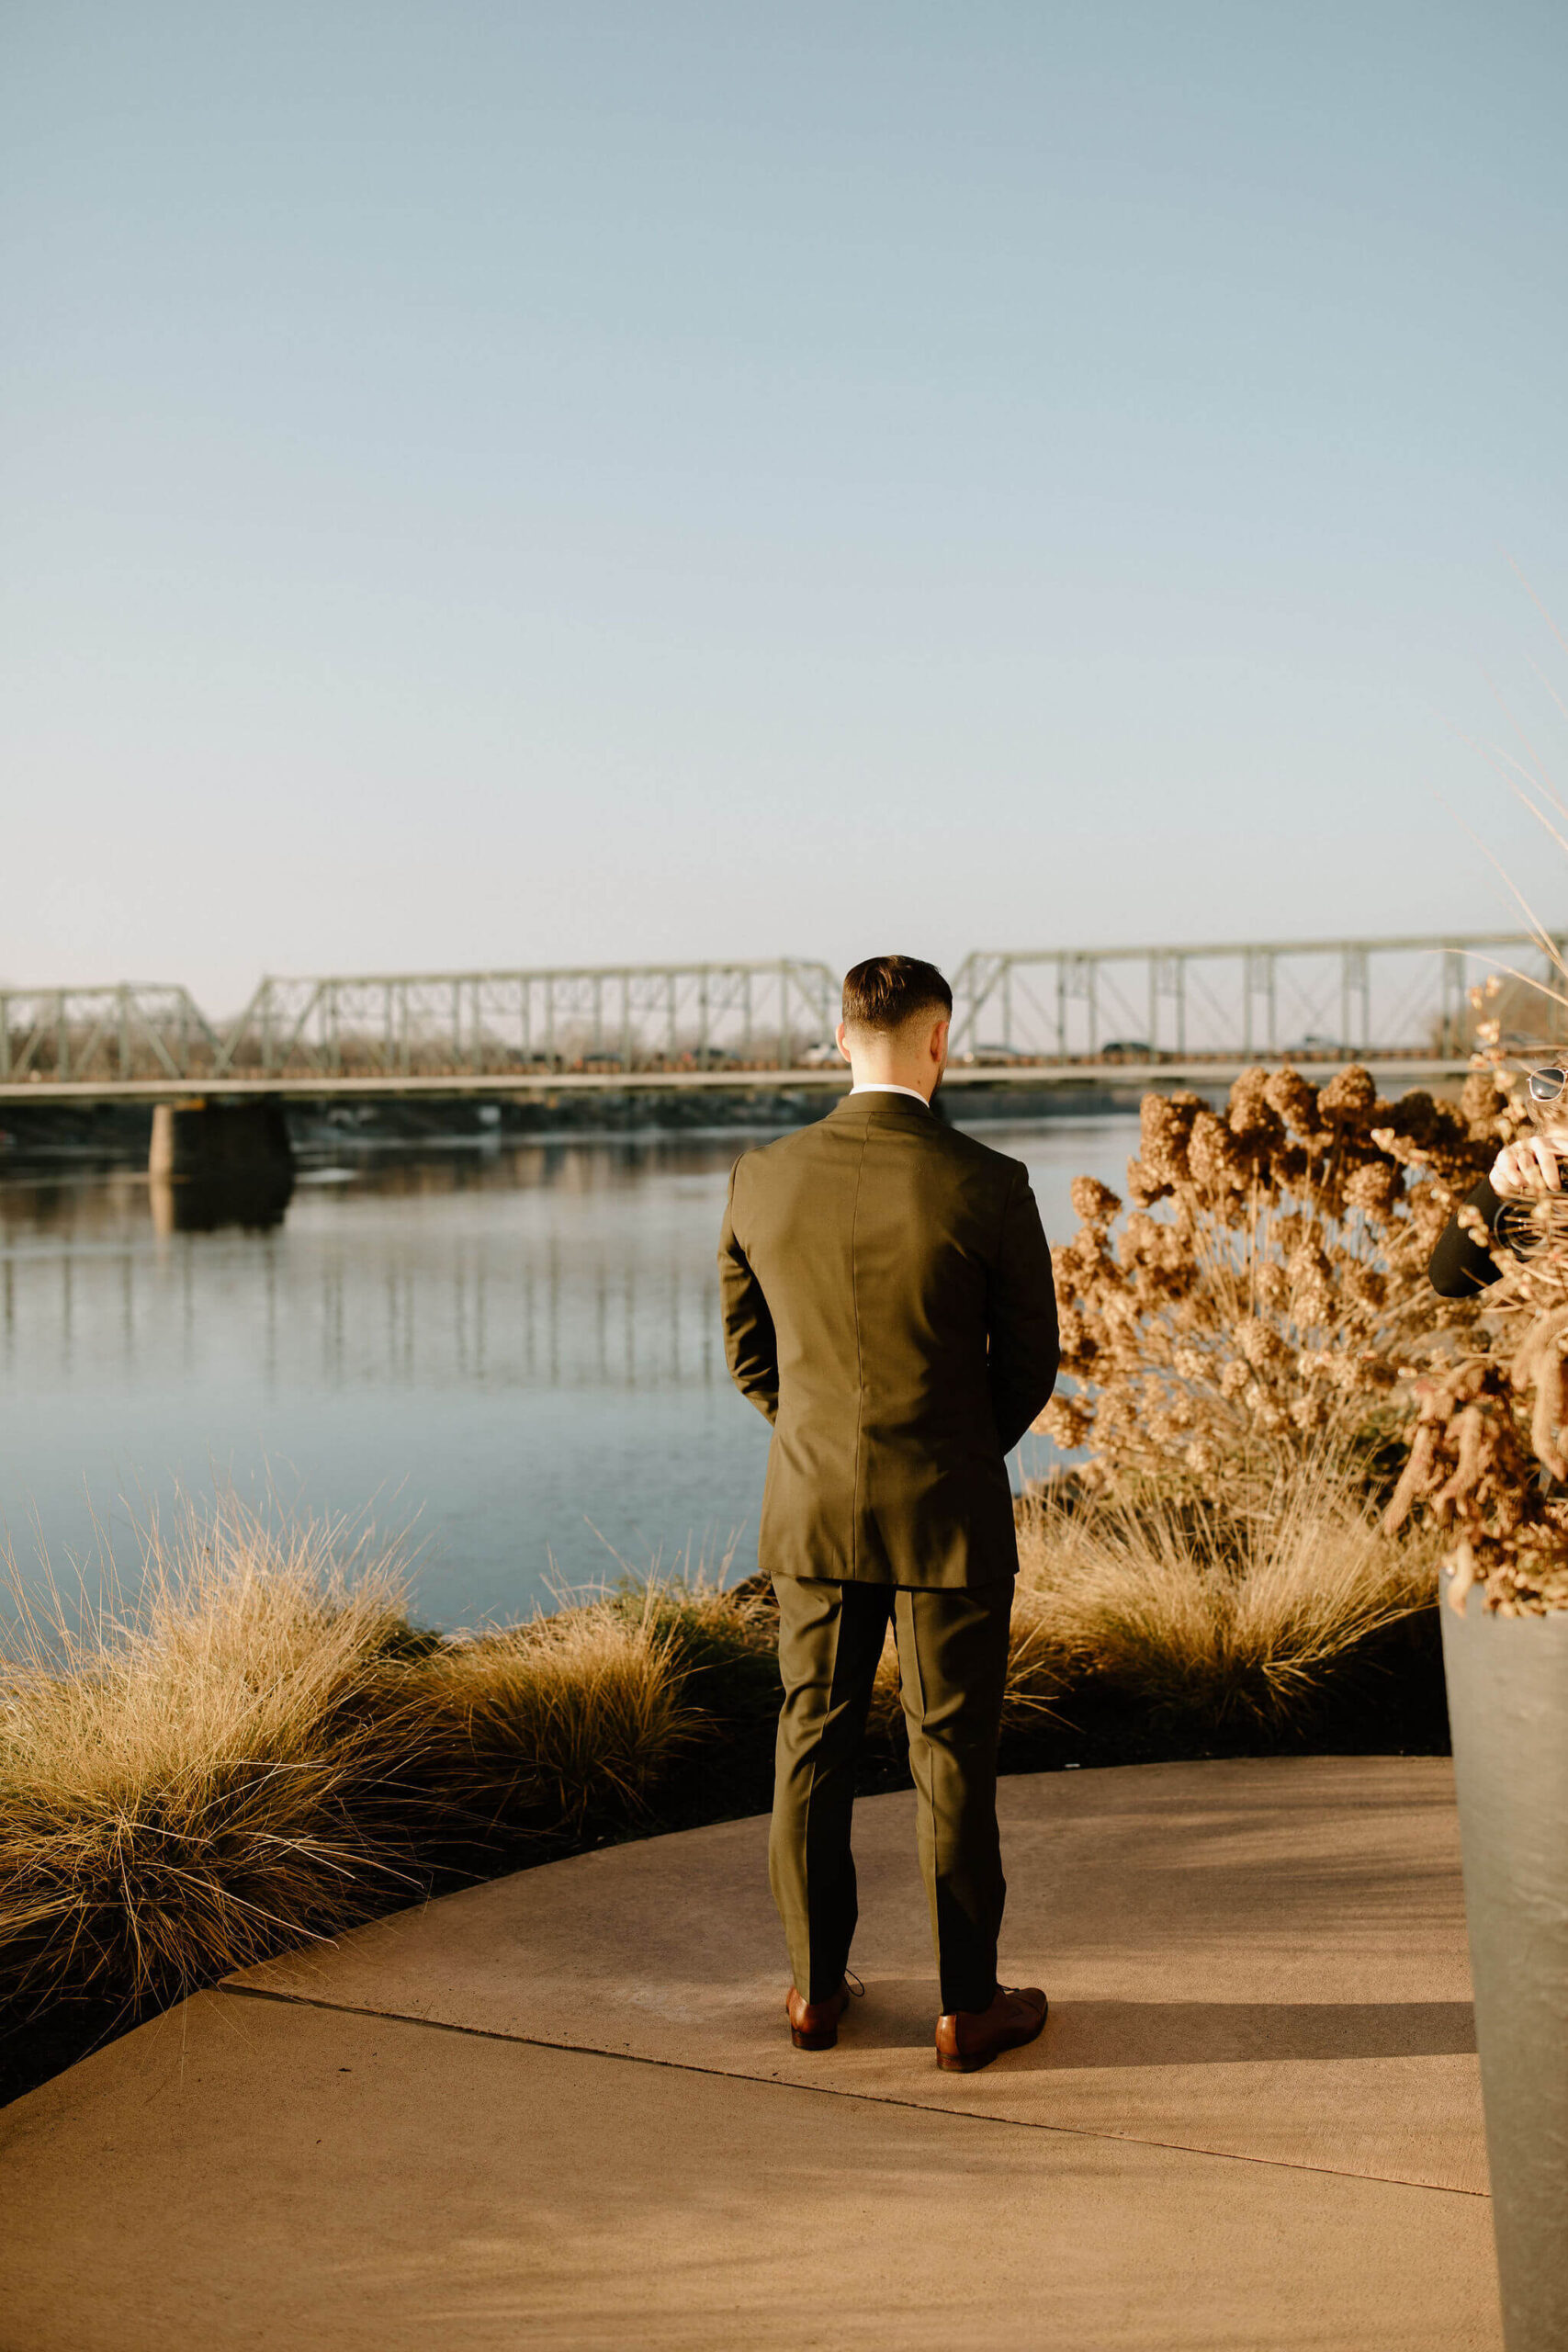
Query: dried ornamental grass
[
  {"x": 266, "y": 1751},
  {"x": 540, "y": 1724},
  {"x": 180, "y": 1795},
  {"x": 1197, "y": 1612},
  {"x": 1267, "y": 1288}
]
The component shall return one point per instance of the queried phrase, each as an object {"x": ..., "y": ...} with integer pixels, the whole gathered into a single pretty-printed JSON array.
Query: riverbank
[
  {"x": 268, "y": 1749},
  {"x": 115, "y": 1134}
]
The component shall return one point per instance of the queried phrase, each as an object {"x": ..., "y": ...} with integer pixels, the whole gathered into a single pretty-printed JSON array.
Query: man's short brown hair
[{"x": 887, "y": 993}]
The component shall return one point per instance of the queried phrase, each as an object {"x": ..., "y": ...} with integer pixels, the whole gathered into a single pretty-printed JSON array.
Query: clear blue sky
[{"x": 506, "y": 483}]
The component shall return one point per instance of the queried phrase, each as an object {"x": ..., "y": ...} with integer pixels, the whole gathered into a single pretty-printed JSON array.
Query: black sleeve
[{"x": 1459, "y": 1265}]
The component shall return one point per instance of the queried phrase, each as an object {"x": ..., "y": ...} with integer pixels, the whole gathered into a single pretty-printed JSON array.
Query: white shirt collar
[{"x": 872, "y": 1086}]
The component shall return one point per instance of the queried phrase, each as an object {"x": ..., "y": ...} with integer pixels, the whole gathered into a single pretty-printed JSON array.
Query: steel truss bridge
[{"x": 1049, "y": 1016}]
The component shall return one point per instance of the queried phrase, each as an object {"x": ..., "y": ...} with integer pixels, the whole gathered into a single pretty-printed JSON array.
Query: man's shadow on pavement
[{"x": 1081, "y": 2035}]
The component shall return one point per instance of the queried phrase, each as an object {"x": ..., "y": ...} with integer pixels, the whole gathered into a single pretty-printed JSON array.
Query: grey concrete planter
[{"x": 1508, "y": 1679}]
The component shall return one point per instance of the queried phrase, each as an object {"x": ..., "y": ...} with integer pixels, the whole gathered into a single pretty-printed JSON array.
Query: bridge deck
[{"x": 1404, "y": 1070}]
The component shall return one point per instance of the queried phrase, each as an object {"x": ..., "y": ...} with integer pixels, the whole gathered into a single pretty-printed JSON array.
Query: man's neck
[{"x": 890, "y": 1086}]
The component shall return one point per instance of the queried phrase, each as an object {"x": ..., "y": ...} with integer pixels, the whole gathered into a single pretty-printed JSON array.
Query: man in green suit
[{"x": 889, "y": 1307}]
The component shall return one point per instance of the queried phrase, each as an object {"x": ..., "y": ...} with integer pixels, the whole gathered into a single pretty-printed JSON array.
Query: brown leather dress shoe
[
  {"x": 813, "y": 2025},
  {"x": 966, "y": 2039}
]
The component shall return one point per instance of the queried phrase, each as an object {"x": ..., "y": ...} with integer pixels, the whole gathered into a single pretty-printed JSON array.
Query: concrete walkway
[{"x": 562, "y": 2109}]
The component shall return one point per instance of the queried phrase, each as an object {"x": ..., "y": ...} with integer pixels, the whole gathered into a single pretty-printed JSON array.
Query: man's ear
[
  {"x": 839, "y": 1040},
  {"x": 938, "y": 1047}
]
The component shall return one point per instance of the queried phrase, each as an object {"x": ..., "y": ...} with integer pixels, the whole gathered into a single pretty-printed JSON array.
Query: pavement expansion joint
[{"x": 833, "y": 2090}]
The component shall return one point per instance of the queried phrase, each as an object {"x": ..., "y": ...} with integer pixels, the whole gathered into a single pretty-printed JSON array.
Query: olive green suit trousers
[
  {"x": 953, "y": 1651},
  {"x": 889, "y": 1307}
]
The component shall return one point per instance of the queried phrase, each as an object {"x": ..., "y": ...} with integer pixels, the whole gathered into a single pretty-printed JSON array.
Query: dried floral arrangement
[
  {"x": 1266, "y": 1294},
  {"x": 1489, "y": 1445}
]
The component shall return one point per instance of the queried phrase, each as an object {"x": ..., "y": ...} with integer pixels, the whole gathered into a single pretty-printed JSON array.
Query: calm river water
[{"x": 515, "y": 1349}]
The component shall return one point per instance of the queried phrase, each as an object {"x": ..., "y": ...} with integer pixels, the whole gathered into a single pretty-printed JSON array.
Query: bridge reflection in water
[{"x": 520, "y": 1279}]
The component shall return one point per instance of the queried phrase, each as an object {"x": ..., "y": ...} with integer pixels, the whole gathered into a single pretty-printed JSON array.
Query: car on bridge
[
  {"x": 1311, "y": 1048},
  {"x": 710, "y": 1058}
]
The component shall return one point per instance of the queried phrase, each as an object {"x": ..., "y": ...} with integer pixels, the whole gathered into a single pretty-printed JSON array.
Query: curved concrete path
[{"x": 562, "y": 2109}]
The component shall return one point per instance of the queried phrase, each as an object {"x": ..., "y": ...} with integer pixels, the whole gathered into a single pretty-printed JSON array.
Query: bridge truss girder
[
  {"x": 1314, "y": 997},
  {"x": 632, "y": 1017},
  {"x": 1395, "y": 996},
  {"x": 72, "y": 1035}
]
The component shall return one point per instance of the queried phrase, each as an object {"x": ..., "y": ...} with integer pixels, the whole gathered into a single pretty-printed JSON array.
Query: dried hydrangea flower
[{"x": 1265, "y": 1287}]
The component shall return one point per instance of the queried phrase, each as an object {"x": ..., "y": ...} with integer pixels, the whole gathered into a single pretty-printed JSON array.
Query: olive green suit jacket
[{"x": 889, "y": 1307}]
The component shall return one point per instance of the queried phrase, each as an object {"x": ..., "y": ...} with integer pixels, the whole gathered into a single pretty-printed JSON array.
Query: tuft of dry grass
[
  {"x": 1197, "y": 1611},
  {"x": 186, "y": 1787},
  {"x": 539, "y": 1725}
]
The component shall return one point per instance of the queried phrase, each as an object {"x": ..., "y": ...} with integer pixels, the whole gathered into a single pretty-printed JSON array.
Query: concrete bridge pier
[{"x": 219, "y": 1163}]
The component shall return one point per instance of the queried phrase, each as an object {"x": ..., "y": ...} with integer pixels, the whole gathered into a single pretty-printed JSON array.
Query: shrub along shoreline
[{"x": 266, "y": 1748}]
